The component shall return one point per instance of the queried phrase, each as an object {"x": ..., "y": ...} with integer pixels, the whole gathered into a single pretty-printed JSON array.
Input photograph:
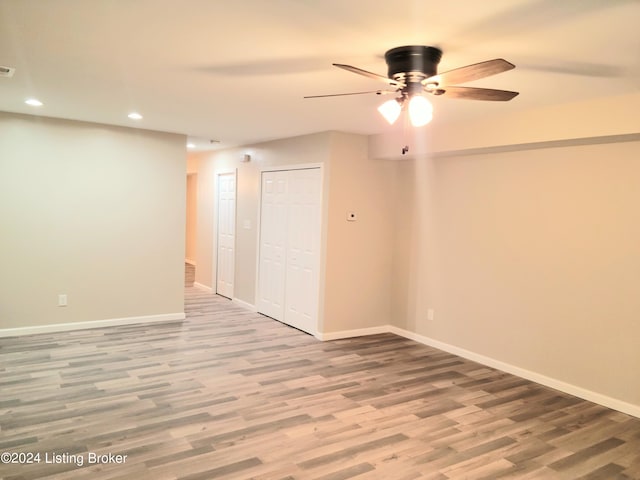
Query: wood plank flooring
[{"x": 229, "y": 394}]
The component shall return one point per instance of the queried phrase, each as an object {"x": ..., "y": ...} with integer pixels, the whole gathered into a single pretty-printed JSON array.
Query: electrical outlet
[
  {"x": 431, "y": 314},
  {"x": 62, "y": 300}
]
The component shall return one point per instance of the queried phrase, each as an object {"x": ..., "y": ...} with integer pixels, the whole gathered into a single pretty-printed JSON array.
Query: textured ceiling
[{"x": 237, "y": 71}]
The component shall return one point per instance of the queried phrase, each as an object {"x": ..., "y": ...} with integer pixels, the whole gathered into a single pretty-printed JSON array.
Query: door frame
[
  {"x": 321, "y": 229},
  {"x": 214, "y": 256}
]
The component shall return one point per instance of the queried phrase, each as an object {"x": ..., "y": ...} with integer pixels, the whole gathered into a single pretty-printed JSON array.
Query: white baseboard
[
  {"x": 203, "y": 287},
  {"x": 63, "y": 327},
  {"x": 595, "y": 397},
  {"x": 245, "y": 305},
  {"x": 361, "y": 332},
  {"x": 190, "y": 262}
]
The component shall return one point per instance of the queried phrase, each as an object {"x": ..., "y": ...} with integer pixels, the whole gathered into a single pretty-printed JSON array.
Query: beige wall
[
  {"x": 191, "y": 231},
  {"x": 528, "y": 257},
  {"x": 91, "y": 211},
  {"x": 355, "y": 256},
  {"x": 359, "y": 254}
]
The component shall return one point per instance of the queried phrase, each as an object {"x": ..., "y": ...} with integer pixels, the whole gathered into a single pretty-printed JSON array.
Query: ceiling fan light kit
[
  {"x": 413, "y": 72},
  {"x": 390, "y": 110},
  {"x": 420, "y": 111}
]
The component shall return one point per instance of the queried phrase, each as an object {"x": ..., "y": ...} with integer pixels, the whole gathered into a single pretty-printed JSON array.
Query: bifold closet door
[{"x": 290, "y": 247}]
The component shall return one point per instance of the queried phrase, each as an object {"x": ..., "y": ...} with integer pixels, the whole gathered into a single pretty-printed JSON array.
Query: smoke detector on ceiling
[{"x": 7, "y": 72}]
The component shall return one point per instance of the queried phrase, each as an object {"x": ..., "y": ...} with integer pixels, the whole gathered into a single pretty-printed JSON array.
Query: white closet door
[
  {"x": 273, "y": 231},
  {"x": 288, "y": 278},
  {"x": 303, "y": 249},
  {"x": 226, "y": 234}
]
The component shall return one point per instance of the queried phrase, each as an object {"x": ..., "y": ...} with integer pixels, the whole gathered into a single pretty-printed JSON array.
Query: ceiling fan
[{"x": 413, "y": 72}]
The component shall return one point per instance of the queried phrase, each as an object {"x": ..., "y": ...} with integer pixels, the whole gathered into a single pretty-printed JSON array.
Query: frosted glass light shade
[
  {"x": 420, "y": 111},
  {"x": 390, "y": 110}
]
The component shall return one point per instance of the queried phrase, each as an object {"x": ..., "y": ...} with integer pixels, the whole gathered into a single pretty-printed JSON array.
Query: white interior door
[
  {"x": 303, "y": 249},
  {"x": 273, "y": 230},
  {"x": 288, "y": 278},
  {"x": 226, "y": 234}
]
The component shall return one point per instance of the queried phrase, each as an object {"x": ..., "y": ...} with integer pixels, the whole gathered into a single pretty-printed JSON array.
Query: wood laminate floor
[{"x": 230, "y": 394}]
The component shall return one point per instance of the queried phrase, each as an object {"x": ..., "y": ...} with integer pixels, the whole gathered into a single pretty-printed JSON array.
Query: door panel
[
  {"x": 273, "y": 228},
  {"x": 226, "y": 234},
  {"x": 303, "y": 249}
]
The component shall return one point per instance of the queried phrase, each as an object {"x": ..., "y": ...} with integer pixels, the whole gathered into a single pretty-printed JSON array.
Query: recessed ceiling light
[
  {"x": 34, "y": 102},
  {"x": 190, "y": 145},
  {"x": 135, "y": 116}
]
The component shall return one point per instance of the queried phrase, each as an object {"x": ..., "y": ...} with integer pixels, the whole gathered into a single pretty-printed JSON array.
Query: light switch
[{"x": 246, "y": 224}]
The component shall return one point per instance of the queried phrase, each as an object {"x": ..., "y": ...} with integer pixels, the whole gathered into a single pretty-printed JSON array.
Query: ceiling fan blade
[
  {"x": 472, "y": 93},
  {"x": 375, "y": 76},
  {"x": 470, "y": 72},
  {"x": 377, "y": 92}
]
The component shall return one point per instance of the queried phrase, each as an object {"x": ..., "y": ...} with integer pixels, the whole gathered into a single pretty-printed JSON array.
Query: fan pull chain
[{"x": 405, "y": 130}]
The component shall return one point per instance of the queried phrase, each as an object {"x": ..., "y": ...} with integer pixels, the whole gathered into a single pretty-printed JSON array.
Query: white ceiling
[{"x": 236, "y": 71}]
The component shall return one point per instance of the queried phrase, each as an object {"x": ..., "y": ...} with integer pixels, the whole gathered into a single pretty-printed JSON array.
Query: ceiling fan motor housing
[{"x": 412, "y": 63}]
